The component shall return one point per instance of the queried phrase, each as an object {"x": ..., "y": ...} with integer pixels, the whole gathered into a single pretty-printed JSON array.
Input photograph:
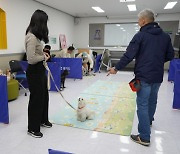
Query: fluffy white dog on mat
[{"x": 82, "y": 112}]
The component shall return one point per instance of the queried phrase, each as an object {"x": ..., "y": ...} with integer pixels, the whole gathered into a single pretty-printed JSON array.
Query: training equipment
[{"x": 135, "y": 85}]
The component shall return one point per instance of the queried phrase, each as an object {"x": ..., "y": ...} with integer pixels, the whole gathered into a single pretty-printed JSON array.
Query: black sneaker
[
  {"x": 35, "y": 134},
  {"x": 47, "y": 124},
  {"x": 137, "y": 139},
  {"x": 150, "y": 123}
]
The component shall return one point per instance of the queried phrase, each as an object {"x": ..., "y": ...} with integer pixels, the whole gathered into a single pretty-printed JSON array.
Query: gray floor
[{"x": 165, "y": 130}]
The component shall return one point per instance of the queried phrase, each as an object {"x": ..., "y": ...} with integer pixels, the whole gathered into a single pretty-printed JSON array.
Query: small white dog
[{"x": 82, "y": 112}]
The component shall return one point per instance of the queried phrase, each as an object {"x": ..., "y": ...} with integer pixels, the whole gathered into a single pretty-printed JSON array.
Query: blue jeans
[{"x": 146, "y": 106}]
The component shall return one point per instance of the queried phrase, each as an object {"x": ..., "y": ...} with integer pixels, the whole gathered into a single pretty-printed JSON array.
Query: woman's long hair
[{"x": 38, "y": 25}]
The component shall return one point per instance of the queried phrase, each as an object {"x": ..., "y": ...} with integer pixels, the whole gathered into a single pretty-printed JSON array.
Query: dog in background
[
  {"x": 83, "y": 113},
  {"x": 63, "y": 78}
]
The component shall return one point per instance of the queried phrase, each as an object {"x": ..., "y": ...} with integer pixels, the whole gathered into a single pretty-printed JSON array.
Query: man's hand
[{"x": 111, "y": 71}]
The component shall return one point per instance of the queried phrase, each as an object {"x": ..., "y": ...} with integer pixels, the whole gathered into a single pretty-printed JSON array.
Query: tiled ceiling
[{"x": 82, "y": 8}]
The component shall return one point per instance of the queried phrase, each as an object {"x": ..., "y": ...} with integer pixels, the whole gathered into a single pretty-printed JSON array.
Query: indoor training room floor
[{"x": 165, "y": 138}]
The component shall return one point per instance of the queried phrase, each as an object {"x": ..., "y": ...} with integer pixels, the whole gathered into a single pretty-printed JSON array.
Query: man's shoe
[
  {"x": 151, "y": 122},
  {"x": 35, "y": 134},
  {"x": 137, "y": 139},
  {"x": 47, "y": 124}
]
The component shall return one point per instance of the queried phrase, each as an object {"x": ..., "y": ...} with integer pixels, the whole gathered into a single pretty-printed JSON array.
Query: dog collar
[{"x": 80, "y": 107}]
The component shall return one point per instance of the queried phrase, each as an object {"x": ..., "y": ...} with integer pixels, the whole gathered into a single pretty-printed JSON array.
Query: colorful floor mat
[
  {"x": 110, "y": 88},
  {"x": 113, "y": 104}
]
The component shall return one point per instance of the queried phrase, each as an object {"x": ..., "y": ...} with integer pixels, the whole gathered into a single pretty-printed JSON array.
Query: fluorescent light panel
[
  {"x": 98, "y": 9},
  {"x": 170, "y": 5},
  {"x": 124, "y": 1},
  {"x": 132, "y": 7}
]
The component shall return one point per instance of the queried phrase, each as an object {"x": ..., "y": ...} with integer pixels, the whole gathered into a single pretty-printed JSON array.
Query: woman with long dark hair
[{"x": 36, "y": 32}]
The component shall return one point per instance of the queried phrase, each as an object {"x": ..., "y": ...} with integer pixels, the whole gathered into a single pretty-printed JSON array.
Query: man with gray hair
[{"x": 151, "y": 48}]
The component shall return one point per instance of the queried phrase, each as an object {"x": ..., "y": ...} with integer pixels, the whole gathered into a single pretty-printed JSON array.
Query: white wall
[
  {"x": 82, "y": 28},
  {"x": 18, "y": 14}
]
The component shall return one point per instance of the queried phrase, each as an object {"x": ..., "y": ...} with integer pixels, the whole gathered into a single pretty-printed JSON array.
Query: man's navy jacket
[{"x": 151, "y": 48}]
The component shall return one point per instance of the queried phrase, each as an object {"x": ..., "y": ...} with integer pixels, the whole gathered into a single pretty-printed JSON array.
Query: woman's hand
[{"x": 47, "y": 56}]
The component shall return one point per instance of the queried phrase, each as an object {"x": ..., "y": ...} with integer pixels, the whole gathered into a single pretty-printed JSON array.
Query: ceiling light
[
  {"x": 170, "y": 5},
  {"x": 98, "y": 9},
  {"x": 118, "y": 25},
  {"x": 132, "y": 7},
  {"x": 126, "y": 1}
]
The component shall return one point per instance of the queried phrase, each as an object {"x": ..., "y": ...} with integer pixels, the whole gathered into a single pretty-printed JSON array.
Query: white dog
[{"x": 82, "y": 112}]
